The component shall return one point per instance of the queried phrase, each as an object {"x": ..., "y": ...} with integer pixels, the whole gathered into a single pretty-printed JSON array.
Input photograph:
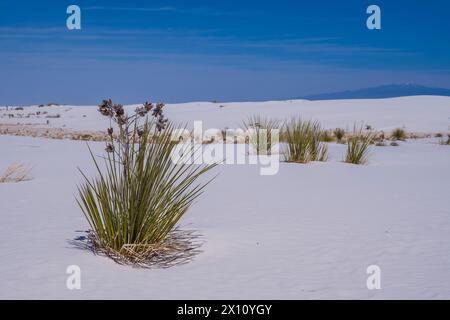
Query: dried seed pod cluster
[{"x": 117, "y": 113}]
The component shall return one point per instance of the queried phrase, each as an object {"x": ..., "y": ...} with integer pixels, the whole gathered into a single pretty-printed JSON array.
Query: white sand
[
  {"x": 308, "y": 232},
  {"x": 415, "y": 114}
]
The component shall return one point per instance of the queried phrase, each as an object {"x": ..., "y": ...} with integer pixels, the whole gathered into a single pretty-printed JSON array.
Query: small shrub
[
  {"x": 16, "y": 172},
  {"x": 304, "y": 142},
  {"x": 378, "y": 138},
  {"x": 358, "y": 147},
  {"x": 445, "y": 142},
  {"x": 134, "y": 204},
  {"x": 260, "y": 133},
  {"x": 326, "y": 136},
  {"x": 339, "y": 134},
  {"x": 398, "y": 134}
]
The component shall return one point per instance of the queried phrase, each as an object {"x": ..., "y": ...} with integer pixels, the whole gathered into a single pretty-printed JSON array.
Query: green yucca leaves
[
  {"x": 358, "y": 147},
  {"x": 261, "y": 130},
  {"x": 304, "y": 140},
  {"x": 136, "y": 201}
]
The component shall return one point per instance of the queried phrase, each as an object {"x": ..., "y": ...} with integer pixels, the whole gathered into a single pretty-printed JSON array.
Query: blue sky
[{"x": 177, "y": 51}]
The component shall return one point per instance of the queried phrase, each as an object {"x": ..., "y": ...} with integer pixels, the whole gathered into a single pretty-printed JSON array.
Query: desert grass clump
[
  {"x": 399, "y": 134},
  {"x": 17, "y": 172},
  {"x": 358, "y": 147},
  {"x": 326, "y": 136},
  {"x": 135, "y": 202},
  {"x": 378, "y": 137},
  {"x": 339, "y": 133},
  {"x": 304, "y": 142},
  {"x": 261, "y": 132},
  {"x": 445, "y": 142}
]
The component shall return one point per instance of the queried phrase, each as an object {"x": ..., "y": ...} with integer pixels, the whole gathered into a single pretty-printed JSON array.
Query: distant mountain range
[{"x": 386, "y": 91}]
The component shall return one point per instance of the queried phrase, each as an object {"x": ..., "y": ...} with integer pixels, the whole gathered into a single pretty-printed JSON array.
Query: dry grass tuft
[
  {"x": 180, "y": 247},
  {"x": 16, "y": 172}
]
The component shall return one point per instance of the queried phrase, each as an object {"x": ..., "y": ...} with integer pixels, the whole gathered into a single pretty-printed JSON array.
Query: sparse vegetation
[
  {"x": 399, "y": 134},
  {"x": 304, "y": 142},
  {"x": 134, "y": 204},
  {"x": 260, "y": 131},
  {"x": 378, "y": 138},
  {"x": 326, "y": 136},
  {"x": 339, "y": 134},
  {"x": 358, "y": 147},
  {"x": 16, "y": 172},
  {"x": 445, "y": 142}
]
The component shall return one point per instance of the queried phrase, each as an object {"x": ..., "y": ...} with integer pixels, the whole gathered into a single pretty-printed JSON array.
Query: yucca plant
[
  {"x": 135, "y": 202},
  {"x": 304, "y": 142},
  {"x": 398, "y": 134},
  {"x": 261, "y": 131},
  {"x": 358, "y": 146}
]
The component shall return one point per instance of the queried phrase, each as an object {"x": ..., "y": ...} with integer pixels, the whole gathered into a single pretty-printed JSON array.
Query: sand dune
[{"x": 310, "y": 231}]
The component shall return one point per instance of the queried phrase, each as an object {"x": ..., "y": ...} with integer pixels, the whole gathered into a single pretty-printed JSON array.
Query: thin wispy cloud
[
  {"x": 199, "y": 42},
  {"x": 280, "y": 36},
  {"x": 151, "y": 9},
  {"x": 182, "y": 10}
]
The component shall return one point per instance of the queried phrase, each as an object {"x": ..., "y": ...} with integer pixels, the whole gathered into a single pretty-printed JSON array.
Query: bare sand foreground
[{"x": 309, "y": 231}]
